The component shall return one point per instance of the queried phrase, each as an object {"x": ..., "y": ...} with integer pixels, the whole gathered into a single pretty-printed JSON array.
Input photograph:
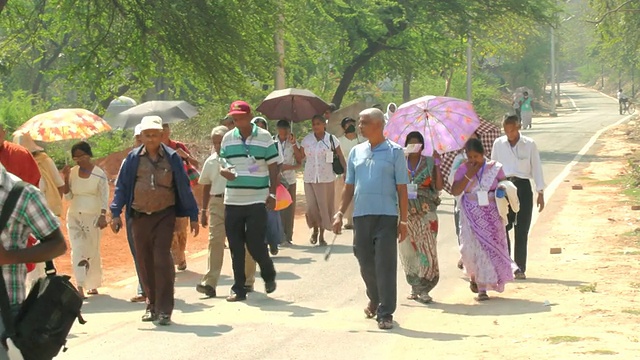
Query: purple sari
[{"x": 483, "y": 238}]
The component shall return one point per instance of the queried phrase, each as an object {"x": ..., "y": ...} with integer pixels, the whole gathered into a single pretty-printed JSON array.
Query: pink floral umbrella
[{"x": 446, "y": 123}]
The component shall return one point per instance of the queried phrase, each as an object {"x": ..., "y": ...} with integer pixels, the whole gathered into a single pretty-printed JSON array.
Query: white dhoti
[{"x": 84, "y": 236}]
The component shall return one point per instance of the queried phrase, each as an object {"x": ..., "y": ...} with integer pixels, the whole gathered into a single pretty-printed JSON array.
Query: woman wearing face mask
[
  {"x": 86, "y": 187},
  {"x": 418, "y": 252},
  {"x": 483, "y": 236},
  {"x": 318, "y": 148},
  {"x": 347, "y": 142}
]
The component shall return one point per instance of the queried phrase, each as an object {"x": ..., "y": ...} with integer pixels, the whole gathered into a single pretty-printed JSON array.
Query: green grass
[
  {"x": 635, "y": 252},
  {"x": 622, "y": 180},
  {"x": 567, "y": 339},
  {"x": 600, "y": 352},
  {"x": 631, "y": 311},
  {"x": 588, "y": 288}
]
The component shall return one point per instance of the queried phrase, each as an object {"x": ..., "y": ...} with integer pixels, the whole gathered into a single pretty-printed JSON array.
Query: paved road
[{"x": 316, "y": 312}]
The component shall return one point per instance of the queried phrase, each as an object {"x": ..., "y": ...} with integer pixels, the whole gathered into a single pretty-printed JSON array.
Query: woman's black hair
[
  {"x": 319, "y": 117},
  {"x": 82, "y": 146},
  {"x": 414, "y": 135},
  {"x": 474, "y": 145}
]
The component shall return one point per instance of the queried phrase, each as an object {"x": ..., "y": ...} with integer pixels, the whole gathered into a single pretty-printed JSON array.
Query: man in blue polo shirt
[
  {"x": 377, "y": 175},
  {"x": 250, "y": 165}
]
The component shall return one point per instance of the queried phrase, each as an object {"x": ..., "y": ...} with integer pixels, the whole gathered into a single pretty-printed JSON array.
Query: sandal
[
  {"x": 370, "y": 311},
  {"x": 474, "y": 287},
  {"x": 412, "y": 297},
  {"x": 460, "y": 265},
  {"x": 92, "y": 292},
  {"x": 385, "y": 324},
  {"x": 314, "y": 238},
  {"x": 138, "y": 299},
  {"x": 424, "y": 298},
  {"x": 482, "y": 297}
]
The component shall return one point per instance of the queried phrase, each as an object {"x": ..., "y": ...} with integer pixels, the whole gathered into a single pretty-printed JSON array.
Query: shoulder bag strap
[
  {"x": 7, "y": 209},
  {"x": 333, "y": 146}
]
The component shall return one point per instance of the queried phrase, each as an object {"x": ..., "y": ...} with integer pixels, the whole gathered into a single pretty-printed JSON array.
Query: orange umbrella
[{"x": 63, "y": 124}]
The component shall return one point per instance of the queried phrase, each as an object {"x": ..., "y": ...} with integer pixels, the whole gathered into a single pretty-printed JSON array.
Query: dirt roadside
[{"x": 590, "y": 292}]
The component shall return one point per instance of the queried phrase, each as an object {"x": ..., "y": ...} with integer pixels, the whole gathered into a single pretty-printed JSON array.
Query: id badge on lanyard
[
  {"x": 483, "y": 198},
  {"x": 412, "y": 191},
  {"x": 253, "y": 166}
]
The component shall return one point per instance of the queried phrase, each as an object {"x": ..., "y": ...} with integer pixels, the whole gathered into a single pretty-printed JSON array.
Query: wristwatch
[{"x": 273, "y": 196}]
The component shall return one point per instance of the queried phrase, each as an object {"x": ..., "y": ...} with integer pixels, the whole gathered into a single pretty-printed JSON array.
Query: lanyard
[
  {"x": 413, "y": 171},
  {"x": 246, "y": 145},
  {"x": 481, "y": 173}
]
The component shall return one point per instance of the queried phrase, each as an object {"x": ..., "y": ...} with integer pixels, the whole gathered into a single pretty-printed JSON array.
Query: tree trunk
[
  {"x": 447, "y": 82},
  {"x": 3, "y": 3},
  {"x": 406, "y": 87},
  {"x": 350, "y": 71},
  {"x": 374, "y": 46}
]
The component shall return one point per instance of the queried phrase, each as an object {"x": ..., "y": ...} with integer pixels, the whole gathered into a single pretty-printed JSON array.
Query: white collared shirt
[
  {"x": 210, "y": 175},
  {"x": 316, "y": 168},
  {"x": 521, "y": 160}
]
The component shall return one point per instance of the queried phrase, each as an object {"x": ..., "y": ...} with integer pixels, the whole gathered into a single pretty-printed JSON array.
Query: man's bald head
[
  {"x": 374, "y": 114},
  {"x": 371, "y": 123}
]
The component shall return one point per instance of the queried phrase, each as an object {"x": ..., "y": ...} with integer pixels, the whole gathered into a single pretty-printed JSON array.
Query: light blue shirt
[{"x": 375, "y": 173}]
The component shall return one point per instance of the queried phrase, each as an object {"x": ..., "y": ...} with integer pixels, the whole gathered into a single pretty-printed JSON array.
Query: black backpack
[{"x": 45, "y": 318}]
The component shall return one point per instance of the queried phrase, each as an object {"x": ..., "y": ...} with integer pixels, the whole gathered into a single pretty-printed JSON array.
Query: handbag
[
  {"x": 337, "y": 165},
  {"x": 40, "y": 329}
]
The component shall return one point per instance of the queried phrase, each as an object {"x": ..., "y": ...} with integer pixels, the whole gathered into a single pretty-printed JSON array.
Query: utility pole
[
  {"x": 278, "y": 39},
  {"x": 469, "y": 63},
  {"x": 553, "y": 74}
]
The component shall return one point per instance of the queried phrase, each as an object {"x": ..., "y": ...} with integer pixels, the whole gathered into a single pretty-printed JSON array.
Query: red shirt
[{"x": 19, "y": 161}]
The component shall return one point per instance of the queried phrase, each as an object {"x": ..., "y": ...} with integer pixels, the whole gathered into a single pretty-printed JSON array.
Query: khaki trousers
[{"x": 216, "y": 247}]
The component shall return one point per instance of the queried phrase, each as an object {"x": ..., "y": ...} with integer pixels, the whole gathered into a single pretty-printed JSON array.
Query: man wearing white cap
[{"x": 154, "y": 187}]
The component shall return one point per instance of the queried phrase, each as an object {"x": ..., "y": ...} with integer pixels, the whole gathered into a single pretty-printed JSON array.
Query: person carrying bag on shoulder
[{"x": 29, "y": 328}]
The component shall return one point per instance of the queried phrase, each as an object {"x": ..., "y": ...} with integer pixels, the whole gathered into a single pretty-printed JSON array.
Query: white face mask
[{"x": 413, "y": 148}]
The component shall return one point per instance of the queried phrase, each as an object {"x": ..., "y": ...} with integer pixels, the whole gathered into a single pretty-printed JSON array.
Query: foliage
[{"x": 17, "y": 107}]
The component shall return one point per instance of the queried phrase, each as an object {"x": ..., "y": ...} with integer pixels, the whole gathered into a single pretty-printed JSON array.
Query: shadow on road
[
  {"x": 571, "y": 283},
  {"x": 337, "y": 248},
  {"x": 415, "y": 334},
  {"x": 496, "y": 306},
  {"x": 290, "y": 260},
  {"x": 101, "y": 304},
  {"x": 198, "y": 330},
  {"x": 269, "y": 304}
]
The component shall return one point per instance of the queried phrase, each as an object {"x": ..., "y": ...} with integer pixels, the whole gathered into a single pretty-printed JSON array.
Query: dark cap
[{"x": 346, "y": 120}]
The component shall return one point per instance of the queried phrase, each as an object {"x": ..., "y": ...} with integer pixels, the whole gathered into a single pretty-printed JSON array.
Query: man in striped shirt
[{"x": 250, "y": 165}]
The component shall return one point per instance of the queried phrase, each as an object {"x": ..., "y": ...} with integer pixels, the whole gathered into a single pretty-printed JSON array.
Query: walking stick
[{"x": 327, "y": 253}]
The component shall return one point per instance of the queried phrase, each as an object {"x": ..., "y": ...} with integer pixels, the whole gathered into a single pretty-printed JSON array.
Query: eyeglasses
[{"x": 76, "y": 158}]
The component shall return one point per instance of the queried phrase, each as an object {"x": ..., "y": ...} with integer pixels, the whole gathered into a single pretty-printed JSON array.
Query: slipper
[
  {"x": 370, "y": 311},
  {"x": 385, "y": 324},
  {"x": 474, "y": 287},
  {"x": 482, "y": 297}
]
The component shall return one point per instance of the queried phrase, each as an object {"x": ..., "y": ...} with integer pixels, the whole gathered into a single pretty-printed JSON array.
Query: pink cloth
[{"x": 483, "y": 237}]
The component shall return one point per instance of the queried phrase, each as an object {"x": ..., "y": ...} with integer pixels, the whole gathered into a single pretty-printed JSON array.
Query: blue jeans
[
  {"x": 275, "y": 231},
  {"x": 133, "y": 251}
]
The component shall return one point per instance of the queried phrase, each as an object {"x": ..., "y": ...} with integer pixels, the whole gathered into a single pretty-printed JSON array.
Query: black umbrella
[
  {"x": 292, "y": 104},
  {"x": 169, "y": 111}
]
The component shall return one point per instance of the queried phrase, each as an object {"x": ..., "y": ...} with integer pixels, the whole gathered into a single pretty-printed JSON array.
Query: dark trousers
[
  {"x": 247, "y": 225},
  {"x": 132, "y": 247},
  {"x": 521, "y": 222},
  {"x": 375, "y": 246},
  {"x": 288, "y": 215},
  {"x": 152, "y": 236}
]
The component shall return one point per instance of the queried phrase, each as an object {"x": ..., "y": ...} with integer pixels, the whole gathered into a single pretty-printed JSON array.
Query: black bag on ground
[
  {"x": 46, "y": 316},
  {"x": 337, "y": 165}
]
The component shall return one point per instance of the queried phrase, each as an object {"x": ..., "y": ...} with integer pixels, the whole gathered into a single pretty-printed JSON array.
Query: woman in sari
[
  {"x": 483, "y": 238},
  {"x": 87, "y": 189},
  {"x": 418, "y": 252}
]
